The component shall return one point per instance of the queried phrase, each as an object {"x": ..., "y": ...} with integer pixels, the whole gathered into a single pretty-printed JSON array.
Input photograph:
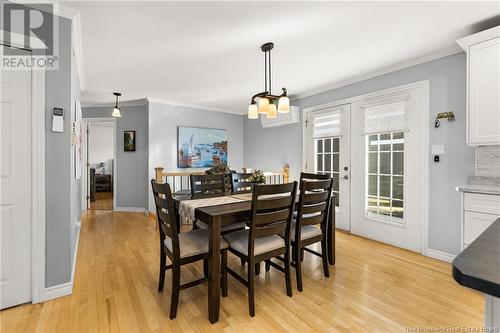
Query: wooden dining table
[{"x": 217, "y": 216}]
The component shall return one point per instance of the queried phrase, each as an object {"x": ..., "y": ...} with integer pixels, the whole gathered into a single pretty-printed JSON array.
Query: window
[
  {"x": 326, "y": 160},
  {"x": 385, "y": 176}
]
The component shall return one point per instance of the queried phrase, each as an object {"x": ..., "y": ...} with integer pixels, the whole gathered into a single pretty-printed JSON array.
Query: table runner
[{"x": 188, "y": 207}]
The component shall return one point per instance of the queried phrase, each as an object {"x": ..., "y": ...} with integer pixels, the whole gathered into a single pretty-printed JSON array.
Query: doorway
[
  {"x": 100, "y": 163},
  {"x": 375, "y": 147},
  {"x": 328, "y": 152}
]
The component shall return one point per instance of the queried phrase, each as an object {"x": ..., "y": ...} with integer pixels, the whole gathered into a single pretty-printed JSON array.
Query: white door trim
[
  {"x": 37, "y": 181},
  {"x": 424, "y": 85},
  {"x": 85, "y": 122}
]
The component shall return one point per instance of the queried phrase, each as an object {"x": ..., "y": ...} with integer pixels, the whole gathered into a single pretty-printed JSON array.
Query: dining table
[{"x": 215, "y": 216}]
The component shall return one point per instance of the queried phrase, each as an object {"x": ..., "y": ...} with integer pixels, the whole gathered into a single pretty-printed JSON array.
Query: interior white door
[
  {"x": 15, "y": 181},
  {"x": 387, "y": 168},
  {"x": 328, "y": 152}
]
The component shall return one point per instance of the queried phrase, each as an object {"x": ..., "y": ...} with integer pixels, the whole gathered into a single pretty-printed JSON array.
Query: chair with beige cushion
[
  {"x": 205, "y": 186},
  {"x": 181, "y": 248},
  {"x": 268, "y": 236},
  {"x": 310, "y": 224}
]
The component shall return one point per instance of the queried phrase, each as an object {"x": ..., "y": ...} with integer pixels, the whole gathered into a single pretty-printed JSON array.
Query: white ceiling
[{"x": 208, "y": 53}]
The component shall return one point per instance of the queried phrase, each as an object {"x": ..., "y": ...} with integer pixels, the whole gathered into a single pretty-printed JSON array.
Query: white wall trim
[
  {"x": 60, "y": 290},
  {"x": 424, "y": 85},
  {"x": 134, "y": 102},
  {"x": 38, "y": 185},
  {"x": 85, "y": 180},
  {"x": 193, "y": 106},
  {"x": 392, "y": 68},
  {"x": 78, "y": 225},
  {"x": 440, "y": 255}
]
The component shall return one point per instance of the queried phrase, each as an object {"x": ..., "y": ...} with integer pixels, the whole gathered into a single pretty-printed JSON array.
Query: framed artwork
[
  {"x": 201, "y": 147},
  {"x": 129, "y": 140}
]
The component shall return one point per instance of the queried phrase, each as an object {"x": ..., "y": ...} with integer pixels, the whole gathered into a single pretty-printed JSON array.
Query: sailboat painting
[{"x": 201, "y": 147}]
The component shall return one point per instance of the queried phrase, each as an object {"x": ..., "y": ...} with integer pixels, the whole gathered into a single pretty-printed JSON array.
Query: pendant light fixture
[
  {"x": 265, "y": 102},
  {"x": 116, "y": 110}
]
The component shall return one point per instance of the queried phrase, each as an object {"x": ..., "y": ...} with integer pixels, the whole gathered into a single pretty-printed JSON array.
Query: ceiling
[{"x": 208, "y": 53}]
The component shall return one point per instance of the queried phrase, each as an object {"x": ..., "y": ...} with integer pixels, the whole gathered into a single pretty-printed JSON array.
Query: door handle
[{"x": 346, "y": 177}]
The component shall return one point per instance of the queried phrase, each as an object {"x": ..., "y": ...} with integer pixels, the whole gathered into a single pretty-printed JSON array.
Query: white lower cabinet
[{"x": 479, "y": 212}]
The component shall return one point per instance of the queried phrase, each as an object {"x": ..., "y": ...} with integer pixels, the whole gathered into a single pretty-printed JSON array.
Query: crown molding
[
  {"x": 188, "y": 105},
  {"x": 454, "y": 49},
  {"x": 135, "y": 102}
]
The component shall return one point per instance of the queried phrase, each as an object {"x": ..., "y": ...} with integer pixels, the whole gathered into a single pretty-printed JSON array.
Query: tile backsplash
[{"x": 487, "y": 161}]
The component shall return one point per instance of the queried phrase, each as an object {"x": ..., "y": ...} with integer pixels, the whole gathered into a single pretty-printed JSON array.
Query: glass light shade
[
  {"x": 253, "y": 111},
  {"x": 263, "y": 105},
  {"x": 272, "y": 111},
  {"x": 284, "y": 105},
  {"x": 116, "y": 113}
]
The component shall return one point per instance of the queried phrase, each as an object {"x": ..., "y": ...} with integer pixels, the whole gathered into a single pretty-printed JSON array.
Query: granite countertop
[
  {"x": 478, "y": 266},
  {"x": 479, "y": 188}
]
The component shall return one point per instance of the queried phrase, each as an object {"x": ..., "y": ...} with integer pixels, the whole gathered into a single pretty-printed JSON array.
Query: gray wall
[
  {"x": 270, "y": 148},
  {"x": 58, "y": 166},
  {"x": 131, "y": 167},
  {"x": 163, "y": 122}
]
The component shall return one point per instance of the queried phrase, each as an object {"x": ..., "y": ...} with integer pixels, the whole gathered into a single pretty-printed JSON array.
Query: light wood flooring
[
  {"x": 372, "y": 288},
  {"x": 103, "y": 201}
]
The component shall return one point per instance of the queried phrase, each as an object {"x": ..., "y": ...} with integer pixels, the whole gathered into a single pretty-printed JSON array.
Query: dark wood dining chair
[
  {"x": 240, "y": 183},
  {"x": 312, "y": 176},
  {"x": 207, "y": 184},
  {"x": 181, "y": 248},
  {"x": 310, "y": 224},
  {"x": 204, "y": 186},
  {"x": 268, "y": 236}
]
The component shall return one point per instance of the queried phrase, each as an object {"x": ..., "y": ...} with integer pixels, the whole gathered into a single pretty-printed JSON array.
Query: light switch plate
[{"x": 437, "y": 149}]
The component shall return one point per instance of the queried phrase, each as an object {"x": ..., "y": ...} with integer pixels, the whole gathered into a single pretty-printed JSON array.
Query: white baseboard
[
  {"x": 440, "y": 255},
  {"x": 64, "y": 289},
  {"x": 131, "y": 209}
]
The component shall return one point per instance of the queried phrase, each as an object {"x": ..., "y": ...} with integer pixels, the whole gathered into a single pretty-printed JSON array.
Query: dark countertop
[{"x": 478, "y": 266}]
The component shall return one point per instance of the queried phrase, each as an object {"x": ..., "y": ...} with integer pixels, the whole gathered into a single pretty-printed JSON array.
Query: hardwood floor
[
  {"x": 103, "y": 201},
  {"x": 373, "y": 288}
]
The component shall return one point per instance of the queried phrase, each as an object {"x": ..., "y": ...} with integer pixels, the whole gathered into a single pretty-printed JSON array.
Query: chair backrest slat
[
  {"x": 240, "y": 183},
  {"x": 272, "y": 211},
  {"x": 165, "y": 212},
  {"x": 271, "y": 217},
  {"x": 314, "y": 203},
  {"x": 312, "y": 176},
  {"x": 207, "y": 184}
]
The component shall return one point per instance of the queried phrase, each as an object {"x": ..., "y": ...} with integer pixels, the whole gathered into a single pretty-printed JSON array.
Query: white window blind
[
  {"x": 327, "y": 125},
  {"x": 385, "y": 118}
]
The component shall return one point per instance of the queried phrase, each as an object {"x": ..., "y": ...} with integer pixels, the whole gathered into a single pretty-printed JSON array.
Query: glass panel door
[{"x": 328, "y": 152}]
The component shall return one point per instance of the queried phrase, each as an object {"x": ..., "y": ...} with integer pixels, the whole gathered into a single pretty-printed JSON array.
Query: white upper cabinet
[{"x": 483, "y": 86}]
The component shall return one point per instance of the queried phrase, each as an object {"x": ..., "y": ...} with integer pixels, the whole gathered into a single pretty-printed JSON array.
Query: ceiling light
[
  {"x": 116, "y": 110},
  {"x": 266, "y": 101}
]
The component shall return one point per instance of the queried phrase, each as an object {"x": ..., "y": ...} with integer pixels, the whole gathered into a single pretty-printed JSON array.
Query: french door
[
  {"x": 388, "y": 168},
  {"x": 328, "y": 152}
]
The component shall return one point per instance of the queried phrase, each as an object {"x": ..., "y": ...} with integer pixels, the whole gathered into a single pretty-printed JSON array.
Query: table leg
[
  {"x": 331, "y": 233},
  {"x": 214, "y": 270}
]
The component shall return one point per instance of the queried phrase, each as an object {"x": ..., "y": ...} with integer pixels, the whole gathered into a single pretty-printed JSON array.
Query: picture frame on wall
[
  {"x": 201, "y": 147},
  {"x": 128, "y": 140}
]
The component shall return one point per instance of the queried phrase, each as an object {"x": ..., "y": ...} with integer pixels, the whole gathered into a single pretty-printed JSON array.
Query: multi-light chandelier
[{"x": 265, "y": 102}]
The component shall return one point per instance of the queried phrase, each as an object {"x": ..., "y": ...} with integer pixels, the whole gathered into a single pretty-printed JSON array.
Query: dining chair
[
  {"x": 268, "y": 236},
  {"x": 181, "y": 248},
  {"x": 313, "y": 208},
  {"x": 207, "y": 184},
  {"x": 203, "y": 186},
  {"x": 240, "y": 183},
  {"x": 312, "y": 176}
]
